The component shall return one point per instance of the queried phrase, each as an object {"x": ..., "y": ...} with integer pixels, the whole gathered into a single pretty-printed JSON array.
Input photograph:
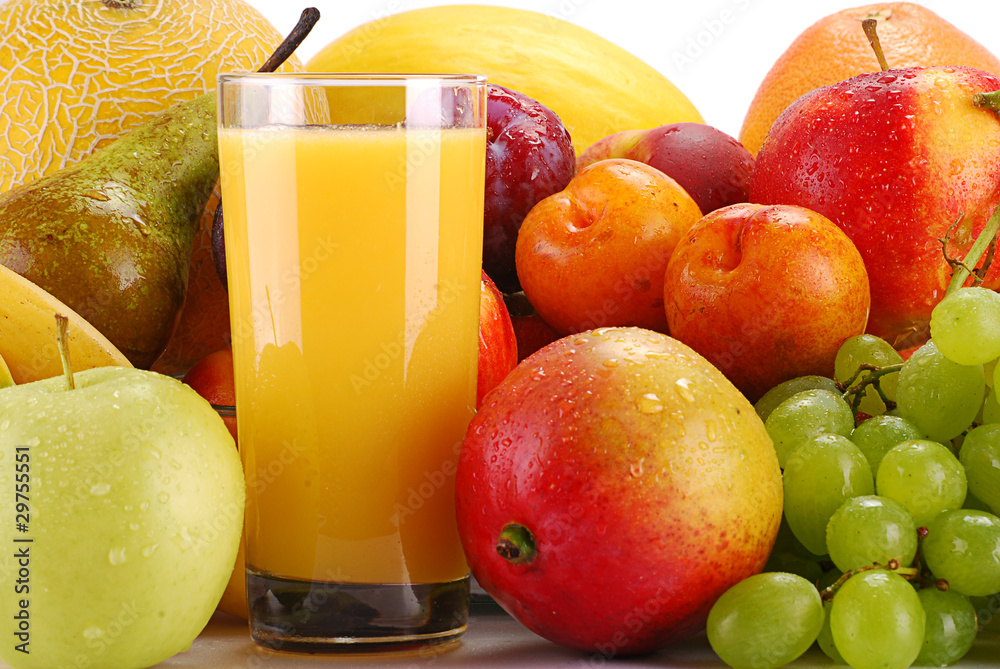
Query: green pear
[{"x": 112, "y": 235}]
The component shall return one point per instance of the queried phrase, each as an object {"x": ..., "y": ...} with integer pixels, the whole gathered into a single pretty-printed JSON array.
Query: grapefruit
[{"x": 835, "y": 48}]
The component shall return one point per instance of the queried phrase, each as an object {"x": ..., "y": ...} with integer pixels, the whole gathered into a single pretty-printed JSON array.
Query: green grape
[
  {"x": 991, "y": 408},
  {"x": 965, "y": 325},
  {"x": 821, "y": 474},
  {"x": 990, "y": 372},
  {"x": 986, "y": 608},
  {"x": 940, "y": 396},
  {"x": 950, "y": 628},
  {"x": 963, "y": 547},
  {"x": 973, "y": 503},
  {"x": 825, "y": 638},
  {"x": 875, "y": 436},
  {"x": 861, "y": 349},
  {"x": 765, "y": 621},
  {"x": 781, "y": 392},
  {"x": 804, "y": 415},
  {"x": 923, "y": 476},
  {"x": 980, "y": 455},
  {"x": 870, "y": 529},
  {"x": 789, "y": 555},
  {"x": 877, "y": 621}
]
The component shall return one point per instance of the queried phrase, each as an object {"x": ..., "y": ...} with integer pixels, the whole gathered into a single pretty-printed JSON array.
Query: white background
[{"x": 729, "y": 62}]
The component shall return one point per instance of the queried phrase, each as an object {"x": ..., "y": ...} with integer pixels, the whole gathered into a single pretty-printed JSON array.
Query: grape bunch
[{"x": 890, "y": 541}]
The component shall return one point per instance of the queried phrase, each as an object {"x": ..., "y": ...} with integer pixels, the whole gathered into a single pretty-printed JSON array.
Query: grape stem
[
  {"x": 985, "y": 244},
  {"x": 856, "y": 392},
  {"x": 893, "y": 565}
]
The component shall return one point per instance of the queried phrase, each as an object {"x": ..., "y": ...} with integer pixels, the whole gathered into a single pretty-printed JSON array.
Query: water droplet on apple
[
  {"x": 133, "y": 526},
  {"x": 684, "y": 390},
  {"x": 154, "y": 452},
  {"x": 148, "y": 551},
  {"x": 650, "y": 403},
  {"x": 144, "y": 506},
  {"x": 93, "y": 633},
  {"x": 4, "y": 425},
  {"x": 710, "y": 430},
  {"x": 610, "y": 363},
  {"x": 163, "y": 497},
  {"x": 183, "y": 539},
  {"x": 116, "y": 556},
  {"x": 100, "y": 489}
]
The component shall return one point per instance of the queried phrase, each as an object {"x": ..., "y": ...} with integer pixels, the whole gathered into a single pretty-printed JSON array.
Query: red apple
[
  {"x": 767, "y": 294},
  {"x": 710, "y": 165},
  {"x": 212, "y": 378},
  {"x": 595, "y": 253},
  {"x": 614, "y": 489},
  {"x": 894, "y": 158},
  {"x": 497, "y": 342},
  {"x": 529, "y": 156},
  {"x": 531, "y": 331}
]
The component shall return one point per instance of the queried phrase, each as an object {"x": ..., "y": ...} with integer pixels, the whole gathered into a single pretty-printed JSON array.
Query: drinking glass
[{"x": 353, "y": 230}]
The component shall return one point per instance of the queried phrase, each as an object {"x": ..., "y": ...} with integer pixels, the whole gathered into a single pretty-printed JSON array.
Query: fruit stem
[
  {"x": 989, "y": 101},
  {"x": 872, "y": 379},
  {"x": 908, "y": 573},
  {"x": 516, "y": 544},
  {"x": 308, "y": 19},
  {"x": 871, "y": 32},
  {"x": 62, "y": 337},
  {"x": 984, "y": 243}
]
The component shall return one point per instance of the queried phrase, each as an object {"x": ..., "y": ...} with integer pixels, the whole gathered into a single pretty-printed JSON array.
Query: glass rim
[{"x": 349, "y": 78}]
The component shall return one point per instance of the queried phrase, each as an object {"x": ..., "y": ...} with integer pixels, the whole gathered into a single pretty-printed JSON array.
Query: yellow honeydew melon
[{"x": 595, "y": 87}]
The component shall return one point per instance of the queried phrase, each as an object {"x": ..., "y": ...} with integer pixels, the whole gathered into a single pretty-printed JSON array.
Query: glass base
[{"x": 331, "y": 617}]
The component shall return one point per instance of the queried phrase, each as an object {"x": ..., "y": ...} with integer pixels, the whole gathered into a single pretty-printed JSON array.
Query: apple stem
[
  {"x": 989, "y": 101},
  {"x": 985, "y": 243},
  {"x": 62, "y": 337},
  {"x": 869, "y": 26},
  {"x": 516, "y": 544}
]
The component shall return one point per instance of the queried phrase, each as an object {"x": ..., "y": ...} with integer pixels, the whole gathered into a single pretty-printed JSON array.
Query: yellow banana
[
  {"x": 28, "y": 333},
  {"x": 6, "y": 380}
]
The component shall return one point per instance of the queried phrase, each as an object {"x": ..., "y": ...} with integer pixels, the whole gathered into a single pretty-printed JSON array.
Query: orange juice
[{"x": 357, "y": 252}]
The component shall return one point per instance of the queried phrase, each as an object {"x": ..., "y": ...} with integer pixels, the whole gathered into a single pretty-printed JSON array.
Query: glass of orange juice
[{"x": 353, "y": 230}]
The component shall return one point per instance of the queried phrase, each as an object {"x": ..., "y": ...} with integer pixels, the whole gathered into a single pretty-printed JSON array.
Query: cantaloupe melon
[{"x": 76, "y": 74}]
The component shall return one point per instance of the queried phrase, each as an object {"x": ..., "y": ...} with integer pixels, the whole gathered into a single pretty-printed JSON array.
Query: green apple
[{"x": 121, "y": 506}]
